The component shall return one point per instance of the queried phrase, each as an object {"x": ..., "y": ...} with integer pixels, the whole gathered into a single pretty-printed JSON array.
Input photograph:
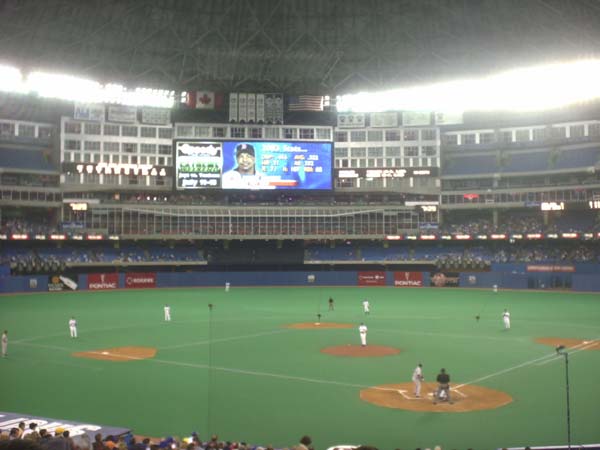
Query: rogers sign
[
  {"x": 408, "y": 279},
  {"x": 102, "y": 281},
  {"x": 140, "y": 280}
]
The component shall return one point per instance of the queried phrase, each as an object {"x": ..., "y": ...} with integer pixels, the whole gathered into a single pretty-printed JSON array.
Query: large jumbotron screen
[{"x": 253, "y": 165}]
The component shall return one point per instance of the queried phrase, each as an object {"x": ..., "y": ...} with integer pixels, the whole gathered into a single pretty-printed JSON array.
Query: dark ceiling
[{"x": 292, "y": 46}]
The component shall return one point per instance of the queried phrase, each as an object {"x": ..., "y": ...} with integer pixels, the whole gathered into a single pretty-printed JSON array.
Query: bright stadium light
[
  {"x": 64, "y": 87},
  {"x": 527, "y": 89},
  {"x": 11, "y": 80},
  {"x": 75, "y": 89},
  {"x": 71, "y": 88}
]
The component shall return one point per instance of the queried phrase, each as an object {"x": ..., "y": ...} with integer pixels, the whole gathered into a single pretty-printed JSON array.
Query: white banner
[
  {"x": 416, "y": 118},
  {"x": 384, "y": 120},
  {"x": 351, "y": 120},
  {"x": 251, "y": 103},
  {"x": 121, "y": 113},
  {"x": 242, "y": 107},
  {"x": 274, "y": 108},
  {"x": 233, "y": 107},
  {"x": 260, "y": 108},
  {"x": 448, "y": 118},
  {"x": 156, "y": 116},
  {"x": 89, "y": 111}
]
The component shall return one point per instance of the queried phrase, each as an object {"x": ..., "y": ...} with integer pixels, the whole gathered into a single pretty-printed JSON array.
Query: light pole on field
[{"x": 560, "y": 350}]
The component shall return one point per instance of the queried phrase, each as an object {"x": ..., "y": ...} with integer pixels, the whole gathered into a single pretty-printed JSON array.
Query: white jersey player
[
  {"x": 506, "y": 319},
  {"x": 362, "y": 330},
  {"x": 417, "y": 377},
  {"x": 167, "y": 310},
  {"x": 366, "y": 306},
  {"x": 73, "y": 327},
  {"x": 4, "y": 343},
  {"x": 227, "y": 286}
]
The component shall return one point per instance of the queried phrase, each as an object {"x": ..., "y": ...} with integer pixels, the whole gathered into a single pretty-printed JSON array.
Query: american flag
[{"x": 305, "y": 103}]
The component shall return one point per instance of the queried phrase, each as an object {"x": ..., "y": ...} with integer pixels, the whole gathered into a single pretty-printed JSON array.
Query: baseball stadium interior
[{"x": 121, "y": 120}]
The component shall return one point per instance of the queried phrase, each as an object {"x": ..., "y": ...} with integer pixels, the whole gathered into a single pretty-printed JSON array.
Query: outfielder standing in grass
[
  {"x": 506, "y": 319},
  {"x": 417, "y": 377},
  {"x": 167, "y": 313},
  {"x": 362, "y": 330},
  {"x": 4, "y": 344},
  {"x": 330, "y": 303},
  {"x": 73, "y": 327},
  {"x": 366, "y": 306}
]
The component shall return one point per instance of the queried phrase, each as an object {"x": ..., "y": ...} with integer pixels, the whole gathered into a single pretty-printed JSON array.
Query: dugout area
[{"x": 240, "y": 370}]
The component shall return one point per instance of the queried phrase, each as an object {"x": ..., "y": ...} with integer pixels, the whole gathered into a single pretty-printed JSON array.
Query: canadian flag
[{"x": 204, "y": 100}]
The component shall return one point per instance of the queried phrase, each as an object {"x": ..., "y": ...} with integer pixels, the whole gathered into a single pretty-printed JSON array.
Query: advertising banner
[
  {"x": 384, "y": 119},
  {"x": 140, "y": 280},
  {"x": 408, "y": 279},
  {"x": 371, "y": 278},
  {"x": 416, "y": 118},
  {"x": 351, "y": 120},
  {"x": 550, "y": 268},
  {"x": 122, "y": 113},
  {"x": 101, "y": 281},
  {"x": 88, "y": 111},
  {"x": 62, "y": 283},
  {"x": 157, "y": 116},
  {"x": 448, "y": 279}
]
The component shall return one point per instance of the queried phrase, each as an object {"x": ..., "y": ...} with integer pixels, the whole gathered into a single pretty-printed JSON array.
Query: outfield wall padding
[{"x": 588, "y": 281}]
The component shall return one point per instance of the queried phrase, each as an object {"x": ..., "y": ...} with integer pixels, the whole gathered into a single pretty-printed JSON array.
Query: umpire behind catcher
[{"x": 443, "y": 390}]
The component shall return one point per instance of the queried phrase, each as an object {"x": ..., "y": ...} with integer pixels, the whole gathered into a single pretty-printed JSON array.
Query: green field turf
[{"x": 240, "y": 373}]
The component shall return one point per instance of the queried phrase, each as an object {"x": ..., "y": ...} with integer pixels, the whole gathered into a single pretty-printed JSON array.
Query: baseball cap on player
[{"x": 244, "y": 148}]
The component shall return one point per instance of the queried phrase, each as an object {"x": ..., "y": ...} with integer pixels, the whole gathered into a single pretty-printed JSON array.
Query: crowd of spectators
[
  {"x": 46, "y": 257},
  {"x": 30, "y": 437},
  {"x": 463, "y": 255}
]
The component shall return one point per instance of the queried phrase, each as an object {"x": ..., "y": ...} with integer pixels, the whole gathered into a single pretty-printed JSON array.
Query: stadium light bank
[
  {"x": 524, "y": 89},
  {"x": 71, "y": 88}
]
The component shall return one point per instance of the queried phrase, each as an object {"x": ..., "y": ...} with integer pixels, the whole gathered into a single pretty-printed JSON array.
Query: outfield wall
[{"x": 512, "y": 277}]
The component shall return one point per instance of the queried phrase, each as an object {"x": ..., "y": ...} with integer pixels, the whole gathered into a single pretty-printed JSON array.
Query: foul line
[
  {"x": 304, "y": 379},
  {"x": 571, "y": 350},
  {"x": 544, "y": 358}
]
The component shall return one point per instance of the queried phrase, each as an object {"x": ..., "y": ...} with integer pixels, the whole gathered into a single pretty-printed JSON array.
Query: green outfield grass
[{"x": 237, "y": 371}]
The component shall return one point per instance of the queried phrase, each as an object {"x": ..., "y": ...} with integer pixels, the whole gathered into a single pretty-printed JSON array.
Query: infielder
[
  {"x": 366, "y": 307},
  {"x": 167, "y": 309},
  {"x": 417, "y": 377},
  {"x": 4, "y": 344},
  {"x": 362, "y": 330},
  {"x": 506, "y": 319},
  {"x": 73, "y": 327}
]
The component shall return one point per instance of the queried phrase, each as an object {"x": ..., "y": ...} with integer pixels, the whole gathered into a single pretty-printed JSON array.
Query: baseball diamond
[{"x": 256, "y": 352}]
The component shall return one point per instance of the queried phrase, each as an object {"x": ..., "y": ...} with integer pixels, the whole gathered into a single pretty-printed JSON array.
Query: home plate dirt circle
[
  {"x": 465, "y": 398},
  {"x": 578, "y": 344},
  {"x": 358, "y": 351},
  {"x": 318, "y": 325},
  {"x": 119, "y": 354}
]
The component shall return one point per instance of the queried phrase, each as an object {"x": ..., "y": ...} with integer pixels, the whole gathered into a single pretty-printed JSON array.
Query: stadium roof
[{"x": 292, "y": 46}]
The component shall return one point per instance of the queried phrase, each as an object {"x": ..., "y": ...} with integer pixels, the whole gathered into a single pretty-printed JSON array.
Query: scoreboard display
[
  {"x": 570, "y": 206},
  {"x": 253, "y": 165}
]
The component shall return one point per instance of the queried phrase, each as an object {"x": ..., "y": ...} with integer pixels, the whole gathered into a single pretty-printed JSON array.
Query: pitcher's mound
[
  {"x": 360, "y": 351},
  {"x": 119, "y": 353},
  {"x": 579, "y": 344},
  {"x": 317, "y": 325},
  {"x": 465, "y": 398}
]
